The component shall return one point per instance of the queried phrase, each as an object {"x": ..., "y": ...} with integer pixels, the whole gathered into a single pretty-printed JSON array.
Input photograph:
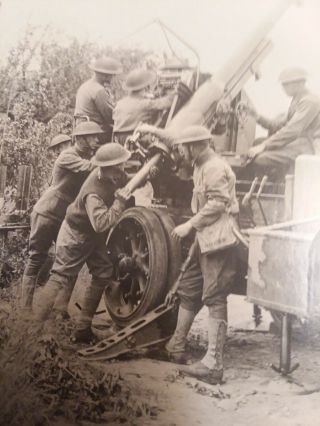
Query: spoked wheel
[{"x": 138, "y": 247}]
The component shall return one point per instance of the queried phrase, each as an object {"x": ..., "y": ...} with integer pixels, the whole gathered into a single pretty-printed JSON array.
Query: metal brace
[
  {"x": 246, "y": 201},
  {"x": 151, "y": 329},
  {"x": 262, "y": 184},
  {"x": 144, "y": 332},
  {"x": 285, "y": 349}
]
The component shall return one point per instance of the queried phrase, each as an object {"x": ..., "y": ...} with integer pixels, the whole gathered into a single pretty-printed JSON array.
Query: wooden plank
[
  {"x": 24, "y": 187},
  {"x": 3, "y": 179}
]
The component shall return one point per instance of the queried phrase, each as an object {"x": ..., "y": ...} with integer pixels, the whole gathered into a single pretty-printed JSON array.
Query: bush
[{"x": 41, "y": 101}]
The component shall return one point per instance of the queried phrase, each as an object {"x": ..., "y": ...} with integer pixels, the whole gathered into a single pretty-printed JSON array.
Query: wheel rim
[
  {"x": 133, "y": 247},
  {"x": 132, "y": 268}
]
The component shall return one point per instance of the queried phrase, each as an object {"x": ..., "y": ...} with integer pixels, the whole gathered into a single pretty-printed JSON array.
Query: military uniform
[
  {"x": 70, "y": 170},
  {"x": 210, "y": 276},
  {"x": 134, "y": 109},
  {"x": 82, "y": 240},
  {"x": 93, "y": 101},
  {"x": 291, "y": 137}
]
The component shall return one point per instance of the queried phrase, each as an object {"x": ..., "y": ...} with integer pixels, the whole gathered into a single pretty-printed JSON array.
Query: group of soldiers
[{"x": 88, "y": 194}]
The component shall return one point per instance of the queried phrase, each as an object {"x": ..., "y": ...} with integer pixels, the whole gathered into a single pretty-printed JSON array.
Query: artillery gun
[{"x": 147, "y": 260}]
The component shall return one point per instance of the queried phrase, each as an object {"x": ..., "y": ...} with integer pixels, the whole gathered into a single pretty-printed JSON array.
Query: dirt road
[{"x": 253, "y": 394}]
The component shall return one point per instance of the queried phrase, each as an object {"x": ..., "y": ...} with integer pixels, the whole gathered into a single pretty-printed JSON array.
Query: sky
[{"x": 215, "y": 28}]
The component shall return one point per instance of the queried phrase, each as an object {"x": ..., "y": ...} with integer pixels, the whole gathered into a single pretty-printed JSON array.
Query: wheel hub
[{"x": 126, "y": 264}]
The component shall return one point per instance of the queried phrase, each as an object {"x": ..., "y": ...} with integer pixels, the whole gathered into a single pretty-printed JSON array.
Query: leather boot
[
  {"x": 89, "y": 305},
  {"x": 210, "y": 368},
  {"x": 63, "y": 298},
  {"x": 48, "y": 296},
  {"x": 176, "y": 345},
  {"x": 27, "y": 290}
]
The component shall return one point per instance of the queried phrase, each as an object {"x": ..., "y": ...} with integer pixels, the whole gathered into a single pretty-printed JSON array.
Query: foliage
[
  {"x": 41, "y": 378},
  {"x": 12, "y": 259},
  {"x": 38, "y": 84},
  {"x": 39, "y": 81}
]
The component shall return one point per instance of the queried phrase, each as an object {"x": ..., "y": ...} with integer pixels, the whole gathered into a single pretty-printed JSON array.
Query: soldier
[
  {"x": 69, "y": 172},
  {"x": 209, "y": 276},
  {"x": 59, "y": 143},
  {"x": 136, "y": 107},
  {"x": 292, "y": 136},
  {"x": 93, "y": 100},
  {"x": 82, "y": 237}
]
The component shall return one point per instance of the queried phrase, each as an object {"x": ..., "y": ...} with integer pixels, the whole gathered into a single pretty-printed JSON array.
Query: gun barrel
[
  {"x": 231, "y": 77},
  {"x": 253, "y": 42},
  {"x": 141, "y": 176}
]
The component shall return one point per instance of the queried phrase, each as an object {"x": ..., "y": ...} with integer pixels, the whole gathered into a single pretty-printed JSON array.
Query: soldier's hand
[
  {"x": 182, "y": 230},
  {"x": 123, "y": 194},
  {"x": 170, "y": 297},
  {"x": 145, "y": 128},
  {"x": 154, "y": 172},
  {"x": 255, "y": 150}
]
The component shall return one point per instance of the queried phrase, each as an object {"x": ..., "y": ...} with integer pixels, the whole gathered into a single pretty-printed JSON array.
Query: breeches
[
  {"x": 208, "y": 279},
  {"x": 283, "y": 157},
  {"x": 74, "y": 249},
  {"x": 43, "y": 233}
]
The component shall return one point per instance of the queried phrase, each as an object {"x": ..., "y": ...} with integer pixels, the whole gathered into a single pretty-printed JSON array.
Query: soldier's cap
[
  {"x": 57, "y": 140},
  {"x": 111, "y": 154},
  {"x": 289, "y": 75},
  {"x": 87, "y": 128},
  {"x": 193, "y": 133},
  {"x": 138, "y": 79},
  {"x": 106, "y": 65}
]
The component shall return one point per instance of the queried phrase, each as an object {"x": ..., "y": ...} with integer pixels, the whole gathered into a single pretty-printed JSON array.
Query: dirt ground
[{"x": 252, "y": 392}]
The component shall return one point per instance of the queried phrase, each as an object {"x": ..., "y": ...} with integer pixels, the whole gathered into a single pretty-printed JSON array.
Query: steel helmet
[
  {"x": 58, "y": 140},
  {"x": 193, "y": 133},
  {"x": 139, "y": 79},
  {"x": 111, "y": 154},
  {"x": 106, "y": 65},
  {"x": 87, "y": 128},
  {"x": 289, "y": 75}
]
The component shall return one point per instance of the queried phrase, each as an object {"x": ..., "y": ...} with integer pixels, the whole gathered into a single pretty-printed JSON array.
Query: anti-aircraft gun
[{"x": 147, "y": 260}]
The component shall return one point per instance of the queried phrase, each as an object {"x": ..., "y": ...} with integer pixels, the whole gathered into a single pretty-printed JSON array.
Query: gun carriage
[{"x": 147, "y": 260}]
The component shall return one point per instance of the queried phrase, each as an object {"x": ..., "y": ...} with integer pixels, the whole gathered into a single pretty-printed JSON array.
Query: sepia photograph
[{"x": 160, "y": 212}]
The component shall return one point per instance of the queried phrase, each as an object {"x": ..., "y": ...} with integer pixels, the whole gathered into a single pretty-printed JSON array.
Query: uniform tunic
[
  {"x": 94, "y": 209},
  {"x": 133, "y": 109},
  {"x": 69, "y": 172},
  {"x": 293, "y": 135},
  {"x": 210, "y": 276},
  {"x": 83, "y": 233},
  {"x": 94, "y": 101}
]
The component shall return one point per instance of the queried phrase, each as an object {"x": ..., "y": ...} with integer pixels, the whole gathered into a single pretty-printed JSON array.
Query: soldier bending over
[
  {"x": 82, "y": 237},
  {"x": 136, "y": 107},
  {"x": 69, "y": 172}
]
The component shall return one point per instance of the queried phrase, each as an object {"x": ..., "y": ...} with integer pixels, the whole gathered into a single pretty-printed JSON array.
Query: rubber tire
[
  {"x": 169, "y": 322},
  {"x": 173, "y": 248},
  {"x": 158, "y": 263}
]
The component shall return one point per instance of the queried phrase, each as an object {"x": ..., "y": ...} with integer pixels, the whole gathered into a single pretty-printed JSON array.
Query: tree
[{"x": 41, "y": 100}]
